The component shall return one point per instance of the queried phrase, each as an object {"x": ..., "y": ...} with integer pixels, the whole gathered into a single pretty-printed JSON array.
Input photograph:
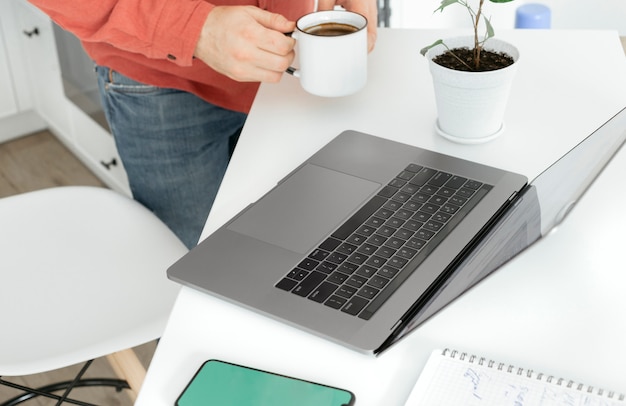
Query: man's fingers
[
  {"x": 273, "y": 21},
  {"x": 271, "y": 29},
  {"x": 326, "y": 4}
]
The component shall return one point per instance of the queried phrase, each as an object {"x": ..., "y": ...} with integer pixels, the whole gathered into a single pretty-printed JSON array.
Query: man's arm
[
  {"x": 242, "y": 42},
  {"x": 157, "y": 29}
]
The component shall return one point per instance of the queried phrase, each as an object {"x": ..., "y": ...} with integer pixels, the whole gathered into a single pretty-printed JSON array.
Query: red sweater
[{"x": 153, "y": 41}]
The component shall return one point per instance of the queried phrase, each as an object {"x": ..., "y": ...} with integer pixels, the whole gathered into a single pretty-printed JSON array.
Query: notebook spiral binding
[{"x": 472, "y": 359}]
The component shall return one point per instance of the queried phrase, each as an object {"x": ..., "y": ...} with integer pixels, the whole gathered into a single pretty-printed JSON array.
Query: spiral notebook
[{"x": 452, "y": 378}]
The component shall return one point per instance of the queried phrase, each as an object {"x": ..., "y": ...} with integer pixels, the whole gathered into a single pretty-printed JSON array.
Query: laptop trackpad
[{"x": 305, "y": 208}]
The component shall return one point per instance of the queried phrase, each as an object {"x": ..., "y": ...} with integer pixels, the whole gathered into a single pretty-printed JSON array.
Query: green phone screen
[{"x": 222, "y": 383}]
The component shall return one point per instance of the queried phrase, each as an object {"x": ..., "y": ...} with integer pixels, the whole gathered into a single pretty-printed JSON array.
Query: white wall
[{"x": 586, "y": 14}]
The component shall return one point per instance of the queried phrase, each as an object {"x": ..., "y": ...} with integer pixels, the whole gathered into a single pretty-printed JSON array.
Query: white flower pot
[{"x": 471, "y": 105}]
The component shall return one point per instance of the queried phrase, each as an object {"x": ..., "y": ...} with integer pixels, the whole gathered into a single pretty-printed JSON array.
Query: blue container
[{"x": 533, "y": 15}]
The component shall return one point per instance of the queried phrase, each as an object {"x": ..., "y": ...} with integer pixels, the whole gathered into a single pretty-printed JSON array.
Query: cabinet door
[
  {"x": 39, "y": 50},
  {"x": 8, "y": 103},
  {"x": 97, "y": 147}
]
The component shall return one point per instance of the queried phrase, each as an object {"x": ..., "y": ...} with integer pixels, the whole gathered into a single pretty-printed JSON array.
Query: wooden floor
[
  {"x": 39, "y": 161},
  {"x": 35, "y": 162}
]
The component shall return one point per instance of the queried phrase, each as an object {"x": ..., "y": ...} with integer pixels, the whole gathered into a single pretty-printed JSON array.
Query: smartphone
[{"x": 225, "y": 384}]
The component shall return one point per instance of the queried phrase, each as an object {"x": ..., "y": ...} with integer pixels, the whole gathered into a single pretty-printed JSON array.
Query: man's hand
[
  {"x": 367, "y": 8},
  {"x": 246, "y": 43}
]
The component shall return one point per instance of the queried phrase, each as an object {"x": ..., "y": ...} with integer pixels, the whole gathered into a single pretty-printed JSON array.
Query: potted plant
[{"x": 471, "y": 77}]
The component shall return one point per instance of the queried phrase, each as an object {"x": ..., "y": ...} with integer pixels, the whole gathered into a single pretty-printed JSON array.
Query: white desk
[{"x": 555, "y": 308}]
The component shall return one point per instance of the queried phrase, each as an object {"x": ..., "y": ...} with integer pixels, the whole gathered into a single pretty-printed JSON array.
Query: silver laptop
[{"x": 369, "y": 237}]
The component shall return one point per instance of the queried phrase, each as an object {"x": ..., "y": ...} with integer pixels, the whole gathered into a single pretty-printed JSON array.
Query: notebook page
[{"x": 451, "y": 378}]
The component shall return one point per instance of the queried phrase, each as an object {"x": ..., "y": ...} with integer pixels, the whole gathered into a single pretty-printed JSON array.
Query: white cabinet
[
  {"x": 32, "y": 94},
  {"x": 42, "y": 64},
  {"x": 17, "y": 115},
  {"x": 98, "y": 146},
  {"x": 8, "y": 103}
]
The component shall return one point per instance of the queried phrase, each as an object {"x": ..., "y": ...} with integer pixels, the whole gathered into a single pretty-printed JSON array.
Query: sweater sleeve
[{"x": 157, "y": 29}]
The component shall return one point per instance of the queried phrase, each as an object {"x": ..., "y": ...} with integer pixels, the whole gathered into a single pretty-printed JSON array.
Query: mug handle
[{"x": 291, "y": 70}]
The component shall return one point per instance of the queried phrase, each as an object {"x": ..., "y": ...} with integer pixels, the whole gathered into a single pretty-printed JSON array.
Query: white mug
[{"x": 332, "y": 50}]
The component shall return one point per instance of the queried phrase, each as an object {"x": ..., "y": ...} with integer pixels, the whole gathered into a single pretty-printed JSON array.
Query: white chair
[{"x": 82, "y": 275}]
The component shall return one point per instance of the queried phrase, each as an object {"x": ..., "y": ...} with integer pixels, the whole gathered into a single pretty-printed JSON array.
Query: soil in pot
[{"x": 489, "y": 60}]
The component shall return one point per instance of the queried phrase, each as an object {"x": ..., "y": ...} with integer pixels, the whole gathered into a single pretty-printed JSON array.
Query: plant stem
[{"x": 477, "y": 45}]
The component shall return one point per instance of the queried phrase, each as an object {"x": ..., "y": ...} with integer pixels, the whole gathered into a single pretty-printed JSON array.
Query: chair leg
[
  {"x": 128, "y": 367},
  {"x": 48, "y": 391}
]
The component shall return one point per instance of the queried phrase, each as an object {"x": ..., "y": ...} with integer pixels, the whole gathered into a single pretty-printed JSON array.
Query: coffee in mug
[
  {"x": 331, "y": 29},
  {"x": 331, "y": 47}
]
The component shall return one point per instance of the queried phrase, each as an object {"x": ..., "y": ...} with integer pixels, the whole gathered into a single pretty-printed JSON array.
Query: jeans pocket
[{"x": 116, "y": 82}]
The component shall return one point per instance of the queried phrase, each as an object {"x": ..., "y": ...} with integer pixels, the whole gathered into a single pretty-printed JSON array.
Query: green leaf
[
  {"x": 500, "y": 1},
  {"x": 434, "y": 44},
  {"x": 490, "y": 31},
  {"x": 446, "y": 3}
]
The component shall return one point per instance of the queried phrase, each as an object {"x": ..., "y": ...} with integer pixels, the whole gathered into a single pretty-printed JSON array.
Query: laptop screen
[
  {"x": 541, "y": 206},
  {"x": 565, "y": 181}
]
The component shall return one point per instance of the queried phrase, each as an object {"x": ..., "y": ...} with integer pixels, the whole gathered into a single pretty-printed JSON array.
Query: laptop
[{"x": 370, "y": 237}]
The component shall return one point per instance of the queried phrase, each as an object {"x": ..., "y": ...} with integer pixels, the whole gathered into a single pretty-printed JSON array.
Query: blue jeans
[{"x": 175, "y": 148}]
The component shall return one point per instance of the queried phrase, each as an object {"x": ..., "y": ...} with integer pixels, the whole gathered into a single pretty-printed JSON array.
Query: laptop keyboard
[{"x": 367, "y": 258}]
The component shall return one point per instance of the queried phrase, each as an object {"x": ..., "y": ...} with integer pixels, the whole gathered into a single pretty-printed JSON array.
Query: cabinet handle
[
  {"x": 108, "y": 165},
  {"x": 29, "y": 34}
]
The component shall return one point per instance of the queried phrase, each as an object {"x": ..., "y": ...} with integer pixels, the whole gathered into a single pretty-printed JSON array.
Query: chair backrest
[{"x": 82, "y": 275}]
